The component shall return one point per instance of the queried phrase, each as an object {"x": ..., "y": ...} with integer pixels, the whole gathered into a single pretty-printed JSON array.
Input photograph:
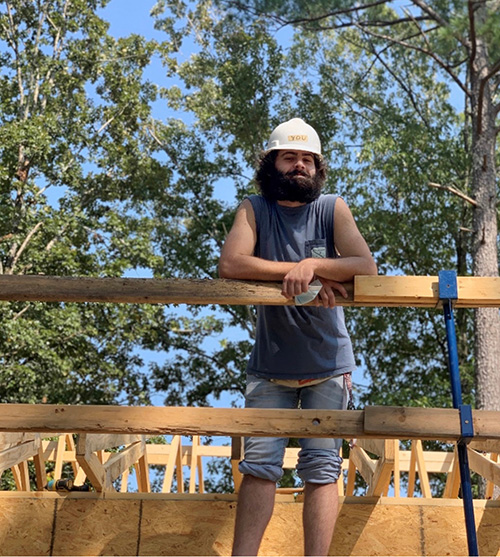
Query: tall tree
[
  {"x": 462, "y": 40},
  {"x": 76, "y": 187}
]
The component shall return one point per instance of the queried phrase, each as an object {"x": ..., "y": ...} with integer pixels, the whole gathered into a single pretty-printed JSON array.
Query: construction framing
[{"x": 104, "y": 445}]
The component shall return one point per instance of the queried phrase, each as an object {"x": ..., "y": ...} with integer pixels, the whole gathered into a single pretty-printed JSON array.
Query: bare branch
[
  {"x": 403, "y": 86},
  {"x": 429, "y": 11},
  {"x": 20, "y": 313},
  {"x": 106, "y": 124},
  {"x": 52, "y": 242},
  {"x": 482, "y": 86},
  {"x": 425, "y": 51},
  {"x": 454, "y": 191},
  {"x": 336, "y": 13},
  {"x": 22, "y": 247}
]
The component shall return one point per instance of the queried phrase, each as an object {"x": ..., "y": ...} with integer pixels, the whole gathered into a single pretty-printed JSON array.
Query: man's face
[
  {"x": 290, "y": 175},
  {"x": 296, "y": 164},
  {"x": 294, "y": 177}
]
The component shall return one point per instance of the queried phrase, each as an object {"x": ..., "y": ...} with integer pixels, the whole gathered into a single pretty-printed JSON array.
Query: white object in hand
[{"x": 309, "y": 296}]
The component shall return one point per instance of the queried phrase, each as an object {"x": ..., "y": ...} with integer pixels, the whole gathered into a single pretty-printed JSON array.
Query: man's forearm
[
  {"x": 249, "y": 267},
  {"x": 343, "y": 269}
]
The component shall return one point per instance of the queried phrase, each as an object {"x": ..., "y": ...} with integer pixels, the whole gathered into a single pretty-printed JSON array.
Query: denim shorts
[{"x": 319, "y": 458}]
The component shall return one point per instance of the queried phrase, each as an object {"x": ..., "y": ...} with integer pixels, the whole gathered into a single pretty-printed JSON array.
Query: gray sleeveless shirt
[{"x": 295, "y": 342}]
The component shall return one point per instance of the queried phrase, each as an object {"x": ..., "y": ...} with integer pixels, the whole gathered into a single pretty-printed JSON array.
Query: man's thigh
[
  {"x": 264, "y": 455},
  {"x": 319, "y": 459}
]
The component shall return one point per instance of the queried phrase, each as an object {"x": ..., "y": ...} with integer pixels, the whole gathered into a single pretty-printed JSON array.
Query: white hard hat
[{"x": 295, "y": 135}]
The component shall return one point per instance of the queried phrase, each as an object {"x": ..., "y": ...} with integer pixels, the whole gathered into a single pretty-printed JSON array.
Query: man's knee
[
  {"x": 319, "y": 466},
  {"x": 270, "y": 472}
]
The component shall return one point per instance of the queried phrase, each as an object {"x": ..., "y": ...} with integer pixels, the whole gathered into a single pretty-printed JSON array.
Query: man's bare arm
[{"x": 237, "y": 260}]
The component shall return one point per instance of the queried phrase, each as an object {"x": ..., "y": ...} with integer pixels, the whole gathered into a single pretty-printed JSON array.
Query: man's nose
[{"x": 300, "y": 164}]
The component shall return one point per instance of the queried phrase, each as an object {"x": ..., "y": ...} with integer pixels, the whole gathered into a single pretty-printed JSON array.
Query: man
[{"x": 302, "y": 355}]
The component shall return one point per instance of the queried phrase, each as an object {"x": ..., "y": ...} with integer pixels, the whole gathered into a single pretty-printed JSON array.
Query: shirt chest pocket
[{"x": 316, "y": 248}]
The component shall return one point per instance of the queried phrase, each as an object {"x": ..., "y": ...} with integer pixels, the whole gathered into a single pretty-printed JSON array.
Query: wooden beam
[
  {"x": 375, "y": 421},
  {"x": 365, "y": 465},
  {"x": 38, "y": 288},
  {"x": 421, "y": 291},
  {"x": 17, "y": 454},
  {"x": 170, "y": 467},
  {"x": 122, "y": 461},
  {"x": 484, "y": 467},
  {"x": 415, "y": 423},
  {"x": 99, "y": 442},
  {"x": 90, "y": 463},
  {"x": 384, "y": 469},
  {"x": 412, "y": 291},
  {"x": 8, "y": 440}
]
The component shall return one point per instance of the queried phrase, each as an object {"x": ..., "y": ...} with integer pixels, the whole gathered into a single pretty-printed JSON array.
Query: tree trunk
[{"x": 484, "y": 251}]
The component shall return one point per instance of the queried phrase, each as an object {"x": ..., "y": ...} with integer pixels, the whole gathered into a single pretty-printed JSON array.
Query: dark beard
[{"x": 277, "y": 186}]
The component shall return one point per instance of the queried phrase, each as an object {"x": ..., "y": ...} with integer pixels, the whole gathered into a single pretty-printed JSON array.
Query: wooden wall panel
[
  {"x": 86, "y": 526},
  {"x": 161, "y": 524},
  {"x": 26, "y": 525}
]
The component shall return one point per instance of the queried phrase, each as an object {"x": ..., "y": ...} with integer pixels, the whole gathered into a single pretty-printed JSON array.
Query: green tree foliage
[
  {"x": 389, "y": 131},
  {"x": 77, "y": 184},
  {"x": 92, "y": 184},
  {"x": 412, "y": 56}
]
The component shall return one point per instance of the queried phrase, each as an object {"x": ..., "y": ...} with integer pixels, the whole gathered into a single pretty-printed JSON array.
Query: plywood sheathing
[
  {"x": 158, "y": 524},
  {"x": 96, "y": 527},
  {"x": 26, "y": 525}
]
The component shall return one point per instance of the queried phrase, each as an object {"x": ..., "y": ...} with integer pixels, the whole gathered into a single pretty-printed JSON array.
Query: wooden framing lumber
[
  {"x": 21, "y": 476},
  {"x": 175, "y": 448},
  {"x": 485, "y": 467},
  {"x": 374, "y": 421},
  {"x": 16, "y": 454},
  {"x": 122, "y": 461},
  {"x": 142, "y": 291},
  {"x": 422, "y": 291},
  {"x": 99, "y": 442},
  {"x": 8, "y": 440},
  {"x": 412, "y": 291},
  {"x": 413, "y": 423},
  {"x": 365, "y": 465},
  {"x": 417, "y": 462},
  {"x": 102, "y": 471}
]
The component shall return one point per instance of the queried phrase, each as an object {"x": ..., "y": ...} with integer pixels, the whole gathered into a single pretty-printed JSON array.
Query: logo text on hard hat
[{"x": 298, "y": 138}]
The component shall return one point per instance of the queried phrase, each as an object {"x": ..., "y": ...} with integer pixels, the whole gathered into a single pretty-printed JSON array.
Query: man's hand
[
  {"x": 326, "y": 296},
  {"x": 297, "y": 280}
]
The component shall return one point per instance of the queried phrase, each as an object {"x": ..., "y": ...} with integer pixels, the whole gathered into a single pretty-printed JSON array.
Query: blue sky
[{"x": 133, "y": 16}]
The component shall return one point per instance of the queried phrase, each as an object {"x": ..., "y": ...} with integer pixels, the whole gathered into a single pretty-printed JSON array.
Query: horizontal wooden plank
[
  {"x": 443, "y": 424},
  {"x": 412, "y": 291},
  {"x": 423, "y": 291},
  {"x": 144, "y": 291},
  {"x": 407, "y": 290},
  {"x": 375, "y": 421},
  {"x": 180, "y": 421}
]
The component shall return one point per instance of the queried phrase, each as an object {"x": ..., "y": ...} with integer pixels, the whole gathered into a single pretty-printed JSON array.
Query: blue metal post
[{"x": 448, "y": 291}]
